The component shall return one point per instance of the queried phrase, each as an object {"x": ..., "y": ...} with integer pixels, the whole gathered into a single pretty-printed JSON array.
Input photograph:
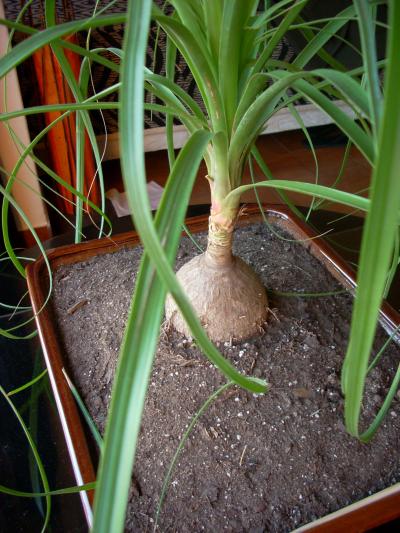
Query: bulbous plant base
[{"x": 230, "y": 299}]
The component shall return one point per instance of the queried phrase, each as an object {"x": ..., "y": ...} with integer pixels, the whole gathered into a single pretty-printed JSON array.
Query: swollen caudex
[{"x": 226, "y": 293}]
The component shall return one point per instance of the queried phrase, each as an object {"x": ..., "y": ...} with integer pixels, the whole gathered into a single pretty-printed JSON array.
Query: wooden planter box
[{"x": 361, "y": 516}]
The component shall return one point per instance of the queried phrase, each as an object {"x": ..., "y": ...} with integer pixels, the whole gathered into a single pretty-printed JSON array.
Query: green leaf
[
  {"x": 378, "y": 236},
  {"x": 296, "y": 115},
  {"x": 373, "y": 428},
  {"x": 283, "y": 27},
  {"x": 189, "y": 17},
  {"x": 85, "y": 413},
  {"x": 363, "y": 142},
  {"x": 174, "y": 104},
  {"x": 28, "y": 383},
  {"x": 368, "y": 44},
  {"x": 7, "y": 198},
  {"x": 268, "y": 174},
  {"x": 36, "y": 455},
  {"x": 306, "y": 29},
  {"x": 213, "y": 16},
  {"x": 253, "y": 121},
  {"x": 323, "y": 36},
  {"x": 171, "y": 55},
  {"x": 234, "y": 18},
  {"x": 201, "y": 66},
  {"x": 58, "y": 492},
  {"x": 351, "y": 89},
  {"x": 255, "y": 85},
  {"x": 311, "y": 189},
  {"x": 182, "y": 443},
  {"x": 144, "y": 320},
  {"x": 83, "y": 123},
  {"x": 27, "y": 47}
]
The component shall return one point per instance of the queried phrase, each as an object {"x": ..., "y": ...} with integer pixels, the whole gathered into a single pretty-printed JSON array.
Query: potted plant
[
  {"x": 79, "y": 300},
  {"x": 241, "y": 87}
]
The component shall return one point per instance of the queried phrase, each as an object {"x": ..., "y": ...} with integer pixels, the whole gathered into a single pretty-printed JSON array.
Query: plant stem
[{"x": 220, "y": 234}]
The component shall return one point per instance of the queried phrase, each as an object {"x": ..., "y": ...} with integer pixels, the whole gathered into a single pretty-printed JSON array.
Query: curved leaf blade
[{"x": 378, "y": 237}]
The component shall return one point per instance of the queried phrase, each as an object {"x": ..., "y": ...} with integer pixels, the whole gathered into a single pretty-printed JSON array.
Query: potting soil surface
[{"x": 252, "y": 463}]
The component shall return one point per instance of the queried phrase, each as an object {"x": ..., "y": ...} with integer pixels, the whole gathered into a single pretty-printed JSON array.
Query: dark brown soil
[{"x": 253, "y": 463}]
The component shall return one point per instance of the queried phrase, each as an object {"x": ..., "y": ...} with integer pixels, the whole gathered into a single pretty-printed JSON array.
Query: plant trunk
[
  {"x": 226, "y": 293},
  {"x": 220, "y": 237}
]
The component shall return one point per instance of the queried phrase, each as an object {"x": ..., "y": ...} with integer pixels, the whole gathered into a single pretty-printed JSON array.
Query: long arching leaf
[
  {"x": 378, "y": 237},
  {"x": 201, "y": 66},
  {"x": 27, "y": 47},
  {"x": 311, "y": 189}
]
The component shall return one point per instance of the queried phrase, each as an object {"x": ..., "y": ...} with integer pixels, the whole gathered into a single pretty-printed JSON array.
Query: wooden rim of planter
[{"x": 370, "y": 512}]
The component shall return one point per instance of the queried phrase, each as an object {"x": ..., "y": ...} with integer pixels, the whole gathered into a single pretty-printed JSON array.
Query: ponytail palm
[
  {"x": 224, "y": 45},
  {"x": 234, "y": 116},
  {"x": 228, "y": 47}
]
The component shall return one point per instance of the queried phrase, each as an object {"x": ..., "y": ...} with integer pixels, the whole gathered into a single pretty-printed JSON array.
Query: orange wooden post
[{"x": 54, "y": 89}]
